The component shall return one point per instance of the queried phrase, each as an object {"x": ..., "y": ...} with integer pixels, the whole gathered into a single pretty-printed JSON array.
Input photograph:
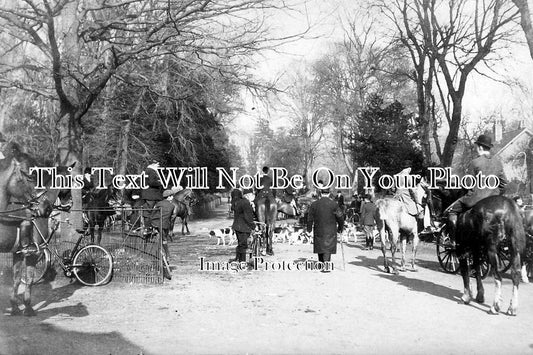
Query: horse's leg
[
  {"x": 384, "y": 238},
  {"x": 403, "y": 241},
  {"x": 30, "y": 261},
  {"x": 269, "y": 235},
  {"x": 415, "y": 246},
  {"x": 493, "y": 262},
  {"x": 394, "y": 234},
  {"x": 465, "y": 273},
  {"x": 186, "y": 223},
  {"x": 100, "y": 231},
  {"x": 515, "y": 276},
  {"x": 17, "y": 275},
  {"x": 477, "y": 258}
]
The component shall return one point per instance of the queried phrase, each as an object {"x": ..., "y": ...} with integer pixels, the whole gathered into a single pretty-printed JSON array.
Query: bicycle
[{"x": 91, "y": 264}]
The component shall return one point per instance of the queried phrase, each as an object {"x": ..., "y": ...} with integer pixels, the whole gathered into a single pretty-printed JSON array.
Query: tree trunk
[
  {"x": 451, "y": 140},
  {"x": 70, "y": 151},
  {"x": 525, "y": 22}
]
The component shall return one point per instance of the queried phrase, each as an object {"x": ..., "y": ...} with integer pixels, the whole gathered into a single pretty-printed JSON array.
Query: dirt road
[{"x": 357, "y": 309}]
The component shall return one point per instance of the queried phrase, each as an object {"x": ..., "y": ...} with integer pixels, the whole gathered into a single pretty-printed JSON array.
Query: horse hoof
[
  {"x": 481, "y": 299},
  {"x": 15, "y": 311},
  {"x": 387, "y": 270},
  {"x": 492, "y": 311},
  {"x": 465, "y": 299},
  {"x": 29, "y": 312},
  {"x": 511, "y": 312}
]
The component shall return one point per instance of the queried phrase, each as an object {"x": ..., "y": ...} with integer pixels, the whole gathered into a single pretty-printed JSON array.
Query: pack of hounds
[
  {"x": 292, "y": 234},
  {"x": 286, "y": 233}
]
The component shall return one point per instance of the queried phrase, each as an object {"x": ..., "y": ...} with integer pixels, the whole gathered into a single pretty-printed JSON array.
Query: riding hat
[
  {"x": 167, "y": 193},
  {"x": 407, "y": 164},
  {"x": 484, "y": 141}
]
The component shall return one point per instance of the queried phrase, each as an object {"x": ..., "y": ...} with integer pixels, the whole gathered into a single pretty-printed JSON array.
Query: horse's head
[{"x": 15, "y": 177}]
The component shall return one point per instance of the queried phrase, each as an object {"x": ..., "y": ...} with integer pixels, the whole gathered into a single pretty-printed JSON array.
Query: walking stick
[{"x": 343, "y": 261}]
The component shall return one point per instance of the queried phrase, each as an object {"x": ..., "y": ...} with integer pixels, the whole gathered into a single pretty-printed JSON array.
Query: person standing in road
[
  {"x": 368, "y": 212},
  {"x": 243, "y": 221},
  {"x": 325, "y": 219}
]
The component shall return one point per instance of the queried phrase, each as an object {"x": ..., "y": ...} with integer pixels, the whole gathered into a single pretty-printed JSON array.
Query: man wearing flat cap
[
  {"x": 486, "y": 164},
  {"x": 164, "y": 217},
  {"x": 243, "y": 221},
  {"x": 325, "y": 219}
]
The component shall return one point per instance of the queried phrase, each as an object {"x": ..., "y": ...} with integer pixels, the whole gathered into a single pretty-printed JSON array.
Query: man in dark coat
[
  {"x": 164, "y": 217},
  {"x": 367, "y": 213},
  {"x": 243, "y": 222},
  {"x": 326, "y": 220},
  {"x": 152, "y": 194},
  {"x": 487, "y": 165}
]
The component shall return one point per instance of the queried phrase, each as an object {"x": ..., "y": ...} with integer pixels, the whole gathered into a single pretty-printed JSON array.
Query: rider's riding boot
[
  {"x": 242, "y": 257},
  {"x": 28, "y": 246}
]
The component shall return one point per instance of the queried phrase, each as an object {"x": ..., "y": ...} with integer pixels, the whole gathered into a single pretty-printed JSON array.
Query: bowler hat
[
  {"x": 247, "y": 191},
  {"x": 407, "y": 164},
  {"x": 484, "y": 141}
]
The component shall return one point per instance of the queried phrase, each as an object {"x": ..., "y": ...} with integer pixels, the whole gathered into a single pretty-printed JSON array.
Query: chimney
[{"x": 497, "y": 131}]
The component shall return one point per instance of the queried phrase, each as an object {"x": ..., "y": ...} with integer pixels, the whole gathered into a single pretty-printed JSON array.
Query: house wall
[{"x": 513, "y": 158}]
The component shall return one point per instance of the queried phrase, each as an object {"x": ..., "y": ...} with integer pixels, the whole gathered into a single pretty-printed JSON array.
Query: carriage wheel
[
  {"x": 43, "y": 264},
  {"x": 93, "y": 265},
  {"x": 446, "y": 253}
]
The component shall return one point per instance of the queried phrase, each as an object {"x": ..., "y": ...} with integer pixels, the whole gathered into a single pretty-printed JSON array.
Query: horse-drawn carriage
[{"x": 447, "y": 252}]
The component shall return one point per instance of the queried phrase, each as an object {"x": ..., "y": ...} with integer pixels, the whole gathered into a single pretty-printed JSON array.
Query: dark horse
[
  {"x": 267, "y": 212},
  {"x": 479, "y": 232},
  {"x": 19, "y": 204},
  {"x": 183, "y": 200},
  {"x": 97, "y": 209}
]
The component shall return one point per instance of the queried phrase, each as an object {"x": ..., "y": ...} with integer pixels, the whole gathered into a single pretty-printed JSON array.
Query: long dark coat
[
  {"x": 326, "y": 220},
  {"x": 488, "y": 165},
  {"x": 154, "y": 192},
  {"x": 243, "y": 218}
]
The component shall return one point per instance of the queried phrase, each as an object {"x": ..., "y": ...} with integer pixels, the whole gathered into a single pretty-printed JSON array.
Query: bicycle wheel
[
  {"x": 446, "y": 253},
  {"x": 93, "y": 265},
  {"x": 44, "y": 259}
]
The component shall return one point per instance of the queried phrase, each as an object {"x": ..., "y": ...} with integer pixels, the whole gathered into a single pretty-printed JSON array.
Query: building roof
[{"x": 508, "y": 138}]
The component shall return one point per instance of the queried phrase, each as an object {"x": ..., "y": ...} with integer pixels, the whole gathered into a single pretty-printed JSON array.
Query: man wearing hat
[
  {"x": 408, "y": 195},
  {"x": 325, "y": 219},
  {"x": 243, "y": 221},
  {"x": 487, "y": 165},
  {"x": 152, "y": 194},
  {"x": 164, "y": 221}
]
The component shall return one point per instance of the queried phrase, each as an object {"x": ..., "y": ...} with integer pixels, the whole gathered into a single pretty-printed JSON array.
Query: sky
[{"x": 483, "y": 98}]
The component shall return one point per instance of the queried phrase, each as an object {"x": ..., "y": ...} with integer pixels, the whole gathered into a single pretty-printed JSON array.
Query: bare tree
[
  {"x": 81, "y": 44},
  {"x": 308, "y": 116},
  {"x": 525, "y": 22},
  {"x": 456, "y": 38},
  {"x": 354, "y": 69}
]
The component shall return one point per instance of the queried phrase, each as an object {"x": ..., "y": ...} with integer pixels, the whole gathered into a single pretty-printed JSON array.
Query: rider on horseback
[
  {"x": 406, "y": 194},
  {"x": 487, "y": 165}
]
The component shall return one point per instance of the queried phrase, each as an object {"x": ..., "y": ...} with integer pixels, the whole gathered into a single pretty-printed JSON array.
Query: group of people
[{"x": 326, "y": 214}]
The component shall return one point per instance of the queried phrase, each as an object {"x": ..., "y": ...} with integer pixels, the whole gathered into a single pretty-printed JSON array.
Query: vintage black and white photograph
[{"x": 266, "y": 177}]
